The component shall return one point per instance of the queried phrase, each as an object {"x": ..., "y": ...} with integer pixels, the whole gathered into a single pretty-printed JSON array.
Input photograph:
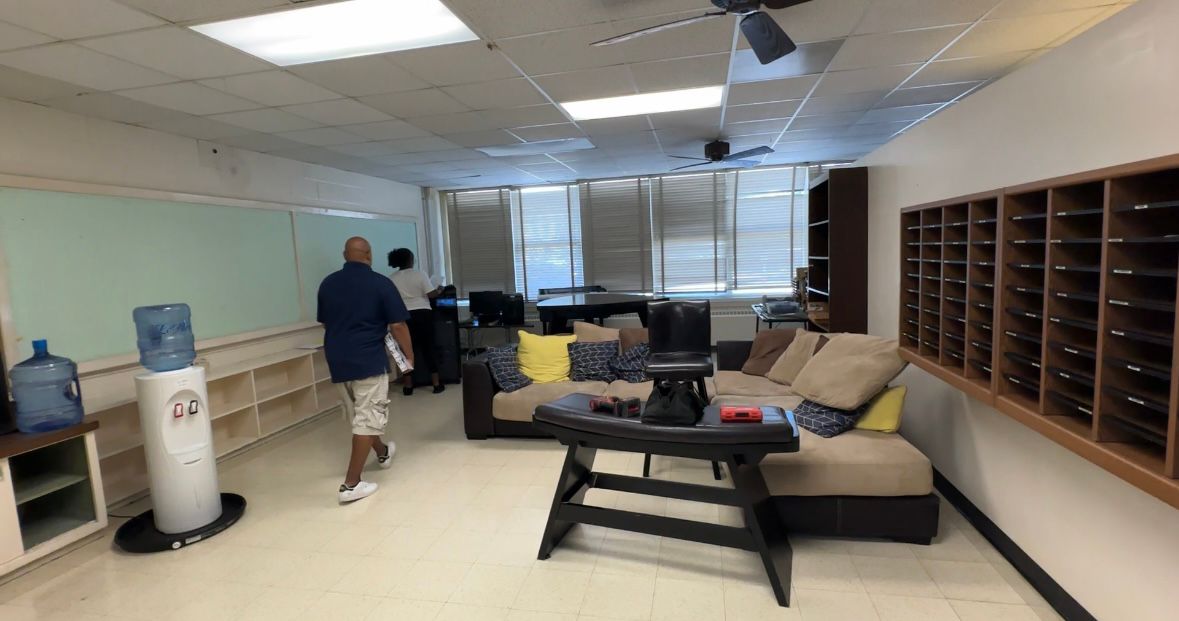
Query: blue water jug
[
  {"x": 164, "y": 335},
  {"x": 46, "y": 391}
]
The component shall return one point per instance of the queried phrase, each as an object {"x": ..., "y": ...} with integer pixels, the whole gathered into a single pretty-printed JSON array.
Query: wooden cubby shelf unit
[
  {"x": 248, "y": 402},
  {"x": 1070, "y": 288}
]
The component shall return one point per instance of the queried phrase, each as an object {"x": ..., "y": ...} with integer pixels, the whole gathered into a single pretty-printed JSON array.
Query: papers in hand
[{"x": 398, "y": 356}]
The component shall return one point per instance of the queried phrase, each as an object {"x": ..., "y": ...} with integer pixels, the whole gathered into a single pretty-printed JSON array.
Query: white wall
[{"x": 1108, "y": 97}]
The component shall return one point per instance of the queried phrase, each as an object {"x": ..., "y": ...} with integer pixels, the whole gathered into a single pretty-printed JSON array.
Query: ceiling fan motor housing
[{"x": 716, "y": 150}]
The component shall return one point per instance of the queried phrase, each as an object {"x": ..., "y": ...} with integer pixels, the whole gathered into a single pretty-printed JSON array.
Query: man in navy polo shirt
[{"x": 357, "y": 307}]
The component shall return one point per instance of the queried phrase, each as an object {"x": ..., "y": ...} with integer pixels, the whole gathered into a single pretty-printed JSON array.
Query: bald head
[{"x": 357, "y": 249}]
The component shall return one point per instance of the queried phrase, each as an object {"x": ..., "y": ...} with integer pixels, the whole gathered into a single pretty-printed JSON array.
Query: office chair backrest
[{"x": 680, "y": 326}]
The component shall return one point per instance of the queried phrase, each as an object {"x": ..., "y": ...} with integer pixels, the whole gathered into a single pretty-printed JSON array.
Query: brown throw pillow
[
  {"x": 767, "y": 347},
  {"x": 632, "y": 336},
  {"x": 796, "y": 356},
  {"x": 849, "y": 371},
  {"x": 593, "y": 333}
]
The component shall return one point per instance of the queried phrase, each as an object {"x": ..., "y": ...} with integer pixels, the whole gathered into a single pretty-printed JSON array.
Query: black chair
[{"x": 680, "y": 335}]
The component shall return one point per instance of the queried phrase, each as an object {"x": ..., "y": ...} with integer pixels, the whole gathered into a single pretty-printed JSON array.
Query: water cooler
[{"x": 187, "y": 505}]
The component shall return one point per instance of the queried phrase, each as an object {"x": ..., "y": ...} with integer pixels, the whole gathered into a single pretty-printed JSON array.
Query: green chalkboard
[
  {"x": 321, "y": 245},
  {"x": 77, "y": 265}
]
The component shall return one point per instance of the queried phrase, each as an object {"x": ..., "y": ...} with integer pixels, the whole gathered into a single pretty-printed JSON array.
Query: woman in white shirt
[{"x": 416, "y": 291}]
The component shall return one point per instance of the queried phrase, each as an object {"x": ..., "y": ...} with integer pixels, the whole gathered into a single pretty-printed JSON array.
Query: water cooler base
[{"x": 139, "y": 534}]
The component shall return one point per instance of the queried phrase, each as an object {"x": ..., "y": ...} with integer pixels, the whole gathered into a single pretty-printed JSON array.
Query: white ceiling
[{"x": 865, "y": 71}]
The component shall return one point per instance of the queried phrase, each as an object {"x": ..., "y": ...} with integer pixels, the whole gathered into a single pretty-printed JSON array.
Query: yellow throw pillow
[
  {"x": 884, "y": 412},
  {"x": 545, "y": 359}
]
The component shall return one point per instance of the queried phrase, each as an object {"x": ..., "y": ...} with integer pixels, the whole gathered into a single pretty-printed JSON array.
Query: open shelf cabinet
[
  {"x": 1084, "y": 272},
  {"x": 837, "y": 239}
]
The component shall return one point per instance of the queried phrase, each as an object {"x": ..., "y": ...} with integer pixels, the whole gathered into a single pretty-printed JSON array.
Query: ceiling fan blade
[
  {"x": 693, "y": 165},
  {"x": 782, "y": 4},
  {"x": 742, "y": 163},
  {"x": 749, "y": 153},
  {"x": 766, "y": 37},
  {"x": 686, "y": 157},
  {"x": 646, "y": 31}
]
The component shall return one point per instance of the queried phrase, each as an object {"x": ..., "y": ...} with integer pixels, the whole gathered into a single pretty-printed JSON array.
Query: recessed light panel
[
  {"x": 647, "y": 103},
  {"x": 341, "y": 30},
  {"x": 540, "y": 147}
]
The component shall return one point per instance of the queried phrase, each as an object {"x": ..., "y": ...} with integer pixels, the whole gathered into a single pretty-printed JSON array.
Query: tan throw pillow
[
  {"x": 795, "y": 357},
  {"x": 630, "y": 337},
  {"x": 593, "y": 333},
  {"x": 767, "y": 347},
  {"x": 849, "y": 371}
]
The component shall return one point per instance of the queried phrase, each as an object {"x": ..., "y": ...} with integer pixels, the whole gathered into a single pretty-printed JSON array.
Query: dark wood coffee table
[{"x": 741, "y": 446}]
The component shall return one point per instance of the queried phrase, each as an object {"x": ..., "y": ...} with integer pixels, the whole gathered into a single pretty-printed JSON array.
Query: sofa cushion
[
  {"x": 505, "y": 369},
  {"x": 824, "y": 420},
  {"x": 738, "y": 383},
  {"x": 593, "y": 333},
  {"x": 856, "y": 463},
  {"x": 641, "y": 390},
  {"x": 883, "y": 412},
  {"x": 545, "y": 359},
  {"x": 768, "y": 346},
  {"x": 633, "y": 336},
  {"x": 849, "y": 371},
  {"x": 630, "y": 364},
  {"x": 794, "y": 358},
  {"x": 590, "y": 362},
  {"x": 520, "y": 405}
]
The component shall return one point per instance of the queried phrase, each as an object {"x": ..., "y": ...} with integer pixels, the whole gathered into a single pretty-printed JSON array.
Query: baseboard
[{"x": 1049, "y": 589}]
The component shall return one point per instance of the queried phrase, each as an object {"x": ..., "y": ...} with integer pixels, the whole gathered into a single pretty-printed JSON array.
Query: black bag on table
[{"x": 673, "y": 403}]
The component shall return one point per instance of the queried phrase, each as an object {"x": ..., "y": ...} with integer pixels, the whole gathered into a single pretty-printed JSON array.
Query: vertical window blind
[
  {"x": 616, "y": 233},
  {"x": 546, "y": 224},
  {"x": 481, "y": 240}
]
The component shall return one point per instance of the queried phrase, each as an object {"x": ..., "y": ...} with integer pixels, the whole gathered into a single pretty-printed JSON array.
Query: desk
[
  {"x": 473, "y": 326},
  {"x": 761, "y": 314},
  {"x": 555, "y": 313}
]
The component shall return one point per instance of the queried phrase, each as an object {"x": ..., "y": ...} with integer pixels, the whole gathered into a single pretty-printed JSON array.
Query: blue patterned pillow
[
  {"x": 826, "y": 421},
  {"x": 630, "y": 364},
  {"x": 591, "y": 361},
  {"x": 505, "y": 369}
]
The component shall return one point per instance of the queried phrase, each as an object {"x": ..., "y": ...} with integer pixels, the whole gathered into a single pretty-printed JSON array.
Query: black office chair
[{"x": 680, "y": 335}]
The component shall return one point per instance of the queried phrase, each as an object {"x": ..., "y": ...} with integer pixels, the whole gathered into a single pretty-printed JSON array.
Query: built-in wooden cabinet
[
  {"x": 1055, "y": 303},
  {"x": 837, "y": 244}
]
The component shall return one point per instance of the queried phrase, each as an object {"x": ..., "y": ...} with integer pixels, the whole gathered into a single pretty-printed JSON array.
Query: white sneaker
[
  {"x": 363, "y": 489},
  {"x": 386, "y": 462}
]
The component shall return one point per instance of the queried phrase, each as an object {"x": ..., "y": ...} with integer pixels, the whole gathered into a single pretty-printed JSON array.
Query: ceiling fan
[
  {"x": 764, "y": 35},
  {"x": 717, "y": 152}
]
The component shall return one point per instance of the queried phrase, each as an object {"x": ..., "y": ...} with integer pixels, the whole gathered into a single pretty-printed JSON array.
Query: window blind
[
  {"x": 616, "y": 233},
  {"x": 481, "y": 240},
  {"x": 770, "y": 227},
  {"x": 546, "y": 225},
  {"x": 692, "y": 215}
]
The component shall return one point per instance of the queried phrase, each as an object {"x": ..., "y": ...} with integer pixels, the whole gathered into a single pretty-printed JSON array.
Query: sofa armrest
[
  {"x": 731, "y": 355},
  {"x": 478, "y": 390}
]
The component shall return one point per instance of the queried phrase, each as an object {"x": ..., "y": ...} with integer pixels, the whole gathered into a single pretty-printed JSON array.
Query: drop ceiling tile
[
  {"x": 400, "y": 159},
  {"x": 311, "y": 155},
  {"x": 755, "y": 127},
  {"x": 338, "y": 112},
  {"x": 842, "y": 103},
  {"x": 771, "y": 90},
  {"x": 196, "y": 127},
  {"x": 568, "y": 50},
  {"x": 840, "y": 119},
  {"x": 875, "y": 129},
  {"x": 819, "y": 20},
  {"x": 464, "y": 158},
  {"x": 643, "y": 140},
  {"x": 203, "y": 10},
  {"x": 272, "y": 88},
  {"x": 417, "y": 145},
  {"x": 70, "y": 63},
  {"x": 461, "y": 63},
  {"x": 525, "y": 116},
  {"x": 1018, "y": 34},
  {"x": 878, "y": 50},
  {"x": 385, "y": 130},
  {"x": 896, "y": 15},
  {"x": 966, "y": 69},
  {"x": 609, "y": 127},
  {"x": 666, "y": 75},
  {"x": 112, "y": 107},
  {"x": 70, "y": 19},
  {"x": 498, "y": 94},
  {"x": 190, "y": 97},
  {"x": 762, "y": 112},
  {"x": 861, "y": 80},
  {"x": 939, "y": 93},
  {"x": 809, "y": 59},
  {"x": 557, "y": 131},
  {"x": 267, "y": 120},
  {"x": 707, "y": 37},
  {"x": 262, "y": 143},
  {"x": 24, "y": 86},
  {"x": 460, "y": 122},
  {"x": 740, "y": 143},
  {"x": 357, "y": 77},
  {"x": 14, "y": 37},
  {"x": 427, "y": 101},
  {"x": 904, "y": 113},
  {"x": 177, "y": 51},
  {"x": 704, "y": 122},
  {"x": 588, "y": 83},
  {"x": 321, "y": 136},
  {"x": 1021, "y": 8},
  {"x": 507, "y": 18},
  {"x": 365, "y": 149}
]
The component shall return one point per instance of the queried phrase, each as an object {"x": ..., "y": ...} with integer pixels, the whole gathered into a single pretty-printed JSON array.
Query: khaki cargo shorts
[{"x": 366, "y": 404}]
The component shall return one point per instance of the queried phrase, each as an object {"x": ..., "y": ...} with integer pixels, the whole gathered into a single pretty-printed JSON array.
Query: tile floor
[{"x": 452, "y": 535}]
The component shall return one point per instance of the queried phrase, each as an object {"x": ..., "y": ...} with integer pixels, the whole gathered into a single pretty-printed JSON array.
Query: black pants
[{"x": 421, "y": 330}]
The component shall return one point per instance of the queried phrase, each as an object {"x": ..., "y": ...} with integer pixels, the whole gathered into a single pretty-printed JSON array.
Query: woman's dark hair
[{"x": 402, "y": 258}]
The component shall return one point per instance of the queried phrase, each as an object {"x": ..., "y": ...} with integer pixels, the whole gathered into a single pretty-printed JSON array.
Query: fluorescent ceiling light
[
  {"x": 341, "y": 30},
  {"x": 647, "y": 103},
  {"x": 539, "y": 147}
]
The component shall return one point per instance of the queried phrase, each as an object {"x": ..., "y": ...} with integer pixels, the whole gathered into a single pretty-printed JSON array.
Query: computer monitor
[{"x": 486, "y": 305}]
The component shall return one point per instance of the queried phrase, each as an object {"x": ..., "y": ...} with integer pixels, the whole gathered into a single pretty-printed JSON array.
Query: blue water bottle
[
  {"x": 46, "y": 391},
  {"x": 164, "y": 335}
]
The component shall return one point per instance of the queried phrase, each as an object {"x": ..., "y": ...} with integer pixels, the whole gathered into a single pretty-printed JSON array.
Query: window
[
  {"x": 770, "y": 228},
  {"x": 616, "y": 229},
  {"x": 480, "y": 239},
  {"x": 546, "y": 225},
  {"x": 692, "y": 226}
]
